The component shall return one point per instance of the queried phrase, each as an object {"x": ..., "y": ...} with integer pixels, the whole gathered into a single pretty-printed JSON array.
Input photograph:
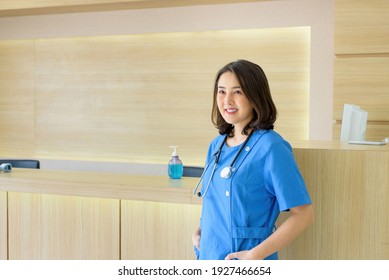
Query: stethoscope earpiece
[{"x": 6, "y": 167}]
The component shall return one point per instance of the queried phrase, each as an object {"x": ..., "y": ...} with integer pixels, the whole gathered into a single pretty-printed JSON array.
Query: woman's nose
[{"x": 228, "y": 100}]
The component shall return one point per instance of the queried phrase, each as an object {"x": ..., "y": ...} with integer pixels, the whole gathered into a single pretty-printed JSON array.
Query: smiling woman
[{"x": 260, "y": 177}]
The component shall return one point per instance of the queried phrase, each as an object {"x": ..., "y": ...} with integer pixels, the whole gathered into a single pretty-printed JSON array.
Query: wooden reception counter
[{"x": 86, "y": 215}]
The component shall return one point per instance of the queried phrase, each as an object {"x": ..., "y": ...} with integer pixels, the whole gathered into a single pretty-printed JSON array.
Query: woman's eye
[
  {"x": 221, "y": 92},
  {"x": 237, "y": 92}
]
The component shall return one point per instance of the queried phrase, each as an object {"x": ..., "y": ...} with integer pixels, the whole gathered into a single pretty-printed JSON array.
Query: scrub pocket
[
  {"x": 246, "y": 238},
  {"x": 197, "y": 252}
]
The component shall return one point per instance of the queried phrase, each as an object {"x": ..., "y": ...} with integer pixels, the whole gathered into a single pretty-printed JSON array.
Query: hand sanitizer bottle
[{"x": 175, "y": 167}]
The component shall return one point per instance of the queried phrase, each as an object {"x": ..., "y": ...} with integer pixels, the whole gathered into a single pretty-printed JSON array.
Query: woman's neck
[{"x": 238, "y": 138}]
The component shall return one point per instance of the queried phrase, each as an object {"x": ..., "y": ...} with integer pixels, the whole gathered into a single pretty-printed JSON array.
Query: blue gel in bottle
[{"x": 175, "y": 167}]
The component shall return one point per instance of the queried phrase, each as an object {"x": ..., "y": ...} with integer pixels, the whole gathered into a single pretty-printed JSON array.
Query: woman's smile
[{"x": 231, "y": 111}]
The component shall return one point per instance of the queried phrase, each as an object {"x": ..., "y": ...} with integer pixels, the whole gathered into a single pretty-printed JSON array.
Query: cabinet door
[
  {"x": 43, "y": 226},
  {"x": 158, "y": 230},
  {"x": 3, "y": 225}
]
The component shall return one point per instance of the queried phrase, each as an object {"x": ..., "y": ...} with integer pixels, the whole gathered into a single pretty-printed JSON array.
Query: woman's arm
[{"x": 300, "y": 218}]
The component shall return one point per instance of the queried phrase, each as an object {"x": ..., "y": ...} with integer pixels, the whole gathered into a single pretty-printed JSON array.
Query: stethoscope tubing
[
  {"x": 217, "y": 156},
  {"x": 199, "y": 194}
]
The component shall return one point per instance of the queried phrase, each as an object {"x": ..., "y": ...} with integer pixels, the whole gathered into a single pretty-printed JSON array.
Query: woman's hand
[
  {"x": 196, "y": 238},
  {"x": 242, "y": 255}
]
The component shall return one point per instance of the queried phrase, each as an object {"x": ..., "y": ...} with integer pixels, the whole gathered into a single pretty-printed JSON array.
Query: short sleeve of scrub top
[{"x": 283, "y": 178}]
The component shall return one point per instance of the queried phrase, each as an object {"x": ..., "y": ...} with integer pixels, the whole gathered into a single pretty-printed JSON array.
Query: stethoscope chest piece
[{"x": 226, "y": 172}]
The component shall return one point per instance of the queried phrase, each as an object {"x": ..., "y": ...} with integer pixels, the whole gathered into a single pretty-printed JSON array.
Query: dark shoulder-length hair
[{"x": 255, "y": 87}]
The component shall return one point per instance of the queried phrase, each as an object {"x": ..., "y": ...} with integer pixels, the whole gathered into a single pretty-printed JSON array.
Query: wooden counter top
[
  {"x": 336, "y": 145},
  {"x": 102, "y": 185}
]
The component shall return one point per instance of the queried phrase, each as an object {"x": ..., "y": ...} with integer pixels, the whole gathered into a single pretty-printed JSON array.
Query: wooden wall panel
[
  {"x": 362, "y": 81},
  {"x": 45, "y": 226},
  {"x": 374, "y": 131},
  {"x": 17, "y": 118},
  {"x": 128, "y": 98},
  {"x": 362, "y": 63},
  {"x": 361, "y": 26},
  {"x": 158, "y": 231},
  {"x": 3, "y": 226}
]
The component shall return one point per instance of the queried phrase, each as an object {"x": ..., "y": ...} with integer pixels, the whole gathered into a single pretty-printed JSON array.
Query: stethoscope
[{"x": 226, "y": 172}]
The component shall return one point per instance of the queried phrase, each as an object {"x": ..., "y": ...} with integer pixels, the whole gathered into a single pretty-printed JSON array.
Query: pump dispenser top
[
  {"x": 175, "y": 167},
  {"x": 174, "y": 154}
]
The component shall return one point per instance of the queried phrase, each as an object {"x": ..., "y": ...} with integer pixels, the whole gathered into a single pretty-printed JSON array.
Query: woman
[{"x": 250, "y": 174}]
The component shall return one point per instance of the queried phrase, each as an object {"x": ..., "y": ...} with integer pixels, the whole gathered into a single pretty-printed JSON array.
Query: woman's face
[{"x": 232, "y": 103}]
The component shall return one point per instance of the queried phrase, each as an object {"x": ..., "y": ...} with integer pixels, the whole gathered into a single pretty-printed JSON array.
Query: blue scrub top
[{"x": 240, "y": 212}]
